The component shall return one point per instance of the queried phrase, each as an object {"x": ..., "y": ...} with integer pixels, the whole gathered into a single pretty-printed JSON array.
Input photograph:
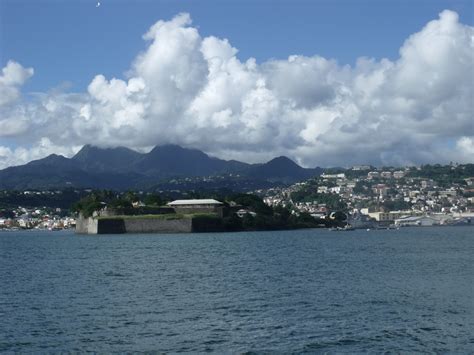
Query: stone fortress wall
[{"x": 135, "y": 225}]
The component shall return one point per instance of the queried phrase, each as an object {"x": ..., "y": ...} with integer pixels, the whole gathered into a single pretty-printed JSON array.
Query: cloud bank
[{"x": 193, "y": 91}]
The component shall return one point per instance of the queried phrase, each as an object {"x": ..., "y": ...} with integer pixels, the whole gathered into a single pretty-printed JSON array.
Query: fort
[{"x": 181, "y": 216}]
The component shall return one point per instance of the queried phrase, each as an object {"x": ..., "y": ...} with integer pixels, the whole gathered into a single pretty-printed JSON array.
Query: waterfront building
[{"x": 424, "y": 221}]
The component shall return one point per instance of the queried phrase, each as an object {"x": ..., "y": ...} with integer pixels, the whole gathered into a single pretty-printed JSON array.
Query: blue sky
[{"x": 68, "y": 42}]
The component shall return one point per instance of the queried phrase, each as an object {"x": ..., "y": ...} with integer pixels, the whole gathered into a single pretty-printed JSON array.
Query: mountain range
[{"x": 122, "y": 168}]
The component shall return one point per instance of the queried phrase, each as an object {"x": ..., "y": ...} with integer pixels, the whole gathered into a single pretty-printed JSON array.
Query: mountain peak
[
  {"x": 282, "y": 158},
  {"x": 174, "y": 160},
  {"x": 50, "y": 158},
  {"x": 282, "y": 168},
  {"x": 283, "y": 162},
  {"x": 85, "y": 150},
  {"x": 103, "y": 159}
]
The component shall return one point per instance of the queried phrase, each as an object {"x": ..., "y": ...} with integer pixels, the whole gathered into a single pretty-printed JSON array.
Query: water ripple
[{"x": 287, "y": 292}]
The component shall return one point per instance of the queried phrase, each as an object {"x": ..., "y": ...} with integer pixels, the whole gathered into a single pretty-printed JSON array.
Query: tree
[
  {"x": 153, "y": 200},
  {"x": 305, "y": 217},
  {"x": 120, "y": 204},
  {"x": 232, "y": 223},
  {"x": 88, "y": 205},
  {"x": 340, "y": 216},
  {"x": 131, "y": 197},
  {"x": 252, "y": 202}
]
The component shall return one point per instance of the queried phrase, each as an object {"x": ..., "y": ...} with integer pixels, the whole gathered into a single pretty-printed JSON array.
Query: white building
[
  {"x": 335, "y": 189},
  {"x": 322, "y": 189},
  {"x": 373, "y": 174},
  {"x": 423, "y": 221},
  {"x": 360, "y": 167},
  {"x": 197, "y": 206},
  {"x": 199, "y": 203},
  {"x": 334, "y": 176},
  {"x": 398, "y": 174}
]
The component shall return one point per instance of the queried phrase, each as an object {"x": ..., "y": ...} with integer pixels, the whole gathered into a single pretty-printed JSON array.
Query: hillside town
[{"x": 383, "y": 197}]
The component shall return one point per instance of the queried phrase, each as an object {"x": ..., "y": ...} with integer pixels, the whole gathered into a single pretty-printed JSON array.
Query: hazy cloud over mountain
[{"x": 194, "y": 91}]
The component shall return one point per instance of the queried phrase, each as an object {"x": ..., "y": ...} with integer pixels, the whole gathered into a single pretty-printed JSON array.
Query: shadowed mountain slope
[
  {"x": 282, "y": 169},
  {"x": 106, "y": 159},
  {"x": 122, "y": 168}
]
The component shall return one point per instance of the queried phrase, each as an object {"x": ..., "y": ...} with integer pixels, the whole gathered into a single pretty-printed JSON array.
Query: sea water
[{"x": 407, "y": 290}]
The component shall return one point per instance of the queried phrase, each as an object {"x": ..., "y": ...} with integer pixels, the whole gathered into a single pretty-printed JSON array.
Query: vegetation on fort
[
  {"x": 93, "y": 202},
  {"x": 121, "y": 203}
]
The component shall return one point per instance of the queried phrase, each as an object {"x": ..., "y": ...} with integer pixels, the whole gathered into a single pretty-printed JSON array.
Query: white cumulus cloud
[
  {"x": 194, "y": 91},
  {"x": 13, "y": 76}
]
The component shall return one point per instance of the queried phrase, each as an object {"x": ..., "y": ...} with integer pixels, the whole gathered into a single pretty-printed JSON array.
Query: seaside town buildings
[
  {"x": 386, "y": 197},
  {"x": 37, "y": 218}
]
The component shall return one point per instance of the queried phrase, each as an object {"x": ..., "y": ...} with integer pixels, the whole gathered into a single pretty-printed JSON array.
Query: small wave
[
  {"x": 428, "y": 329},
  {"x": 114, "y": 274},
  {"x": 214, "y": 342}
]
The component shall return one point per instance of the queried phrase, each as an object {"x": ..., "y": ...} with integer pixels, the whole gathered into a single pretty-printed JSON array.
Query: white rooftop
[{"x": 194, "y": 202}]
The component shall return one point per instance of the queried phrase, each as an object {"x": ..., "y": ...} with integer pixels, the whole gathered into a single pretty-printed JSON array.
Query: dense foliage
[
  {"x": 93, "y": 202},
  {"x": 396, "y": 205},
  {"x": 253, "y": 202}
]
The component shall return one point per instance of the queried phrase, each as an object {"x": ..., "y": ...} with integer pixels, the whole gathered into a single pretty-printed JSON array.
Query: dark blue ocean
[{"x": 314, "y": 291}]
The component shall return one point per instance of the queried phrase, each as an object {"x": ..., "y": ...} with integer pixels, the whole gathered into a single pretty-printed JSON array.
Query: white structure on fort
[
  {"x": 199, "y": 203},
  {"x": 198, "y": 206}
]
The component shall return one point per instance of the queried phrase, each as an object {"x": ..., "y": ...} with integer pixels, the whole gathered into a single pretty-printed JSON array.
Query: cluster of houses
[
  {"x": 37, "y": 218},
  {"x": 367, "y": 193}
]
